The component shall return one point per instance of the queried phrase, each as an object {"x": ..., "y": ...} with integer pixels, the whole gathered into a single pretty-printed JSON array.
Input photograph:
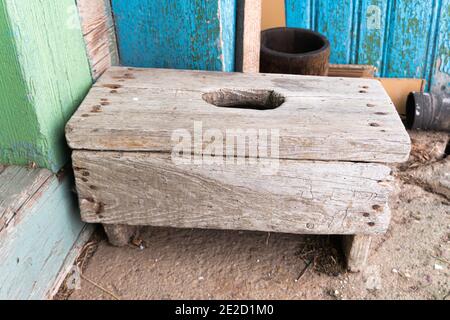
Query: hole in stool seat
[{"x": 245, "y": 99}]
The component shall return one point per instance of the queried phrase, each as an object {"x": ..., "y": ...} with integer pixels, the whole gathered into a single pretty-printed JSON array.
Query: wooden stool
[{"x": 275, "y": 153}]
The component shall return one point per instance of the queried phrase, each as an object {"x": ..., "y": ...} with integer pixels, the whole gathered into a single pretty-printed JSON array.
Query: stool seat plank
[{"x": 321, "y": 119}]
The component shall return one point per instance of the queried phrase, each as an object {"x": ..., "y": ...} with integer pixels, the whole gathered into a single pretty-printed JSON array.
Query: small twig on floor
[
  {"x": 446, "y": 296},
  {"x": 440, "y": 259},
  {"x": 303, "y": 272},
  {"x": 267, "y": 239},
  {"x": 305, "y": 254},
  {"x": 100, "y": 287},
  {"x": 85, "y": 252},
  {"x": 334, "y": 260}
]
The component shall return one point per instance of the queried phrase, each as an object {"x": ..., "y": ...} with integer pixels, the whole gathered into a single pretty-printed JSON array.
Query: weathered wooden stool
[{"x": 276, "y": 153}]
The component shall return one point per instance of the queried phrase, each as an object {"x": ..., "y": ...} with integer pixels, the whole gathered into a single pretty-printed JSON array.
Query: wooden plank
[
  {"x": 176, "y": 34},
  {"x": 408, "y": 43},
  {"x": 248, "y": 35},
  {"x": 301, "y": 197},
  {"x": 18, "y": 185},
  {"x": 322, "y": 118},
  {"x": 372, "y": 40},
  {"x": 351, "y": 71},
  {"x": 336, "y": 20},
  {"x": 36, "y": 241},
  {"x": 44, "y": 75},
  {"x": 99, "y": 34},
  {"x": 300, "y": 14},
  {"x": 357, "y": 249},
  {"x": 71, "y": 258},
  {"x": 440, "y": 62},
  {"x": 397, "y": 88}
]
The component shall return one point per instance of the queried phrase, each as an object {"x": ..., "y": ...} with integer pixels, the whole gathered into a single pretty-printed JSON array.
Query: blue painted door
[
  {"x": 187, "y": 34},
  {"x": 402, "y": 38}
]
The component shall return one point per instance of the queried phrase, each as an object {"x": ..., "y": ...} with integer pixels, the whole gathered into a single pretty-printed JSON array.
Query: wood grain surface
[
  {"x": 301, "y": 197},
  {"x": 99, "y": 34},
  {"x": 322, "y": 118}
]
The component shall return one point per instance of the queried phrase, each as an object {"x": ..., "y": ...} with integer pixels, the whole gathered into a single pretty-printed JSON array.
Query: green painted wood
[
  {"x": 44, "y": 75},
  {"x": 36, "y": 241}
]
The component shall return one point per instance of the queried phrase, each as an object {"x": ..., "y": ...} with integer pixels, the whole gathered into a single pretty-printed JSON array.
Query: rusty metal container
[
  {"x": 427, "y": 111},
  {"x": 294, "y": 51}
]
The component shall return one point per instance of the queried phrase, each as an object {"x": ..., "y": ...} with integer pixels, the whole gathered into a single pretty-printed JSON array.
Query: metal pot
[{"x": 294, "y": 51}]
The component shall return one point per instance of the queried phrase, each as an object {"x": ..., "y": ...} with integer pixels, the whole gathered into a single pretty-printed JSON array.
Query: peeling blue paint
[
  {"x": 402, "y": 38},
  {"x": 190, "y": 34}
]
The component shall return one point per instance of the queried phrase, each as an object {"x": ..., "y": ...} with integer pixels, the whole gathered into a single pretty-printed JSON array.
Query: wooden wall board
[
  {"x": 440, "y": 71},
  {"x": 351, "y": 70},
  {"x": 38, "y": 236},
  {"x": 44, "y": 75},
  {"x": 68, "y": 265},
  {"x": 248, "y": 35},
  {"x": 99, "y": 34},
  {"x": 18, "y": 185},
  {"x": 402, "y": 38},
  {"x": 176, "y": 34}
]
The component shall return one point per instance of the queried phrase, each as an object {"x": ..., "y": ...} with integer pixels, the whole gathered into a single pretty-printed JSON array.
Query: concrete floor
[{"x": 410, "y": 262}]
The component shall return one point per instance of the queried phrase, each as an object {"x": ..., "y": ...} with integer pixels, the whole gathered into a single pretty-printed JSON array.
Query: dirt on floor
[{"x": 410, "y": 262}]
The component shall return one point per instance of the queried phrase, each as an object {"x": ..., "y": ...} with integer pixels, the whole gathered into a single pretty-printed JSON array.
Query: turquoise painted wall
[
  {"x": 36, "y": 241},
  {"x": 402, "y": 38},
  {"x": 188, "y": 34}
]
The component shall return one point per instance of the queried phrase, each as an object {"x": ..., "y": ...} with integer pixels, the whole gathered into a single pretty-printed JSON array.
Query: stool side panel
[{"x": 299, "y": 197}]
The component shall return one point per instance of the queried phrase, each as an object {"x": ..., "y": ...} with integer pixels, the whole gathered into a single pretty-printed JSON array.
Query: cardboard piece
[{"x": 399, "y": 89}]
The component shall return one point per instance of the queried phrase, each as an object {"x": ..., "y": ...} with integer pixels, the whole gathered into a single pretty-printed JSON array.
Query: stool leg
[
  {"x": 356, "y": 249},
  {"x": 119, "y": 235}
]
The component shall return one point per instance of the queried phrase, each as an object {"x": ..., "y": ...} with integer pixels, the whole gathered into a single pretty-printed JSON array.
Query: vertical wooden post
[
  {"x": 119, "y": 235},
  {"x": 356, "y": 249},
  {"x": 99, "y": 34},
  {"x": 248, "y": 35},
  {"x": 44, "y": 75}
]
